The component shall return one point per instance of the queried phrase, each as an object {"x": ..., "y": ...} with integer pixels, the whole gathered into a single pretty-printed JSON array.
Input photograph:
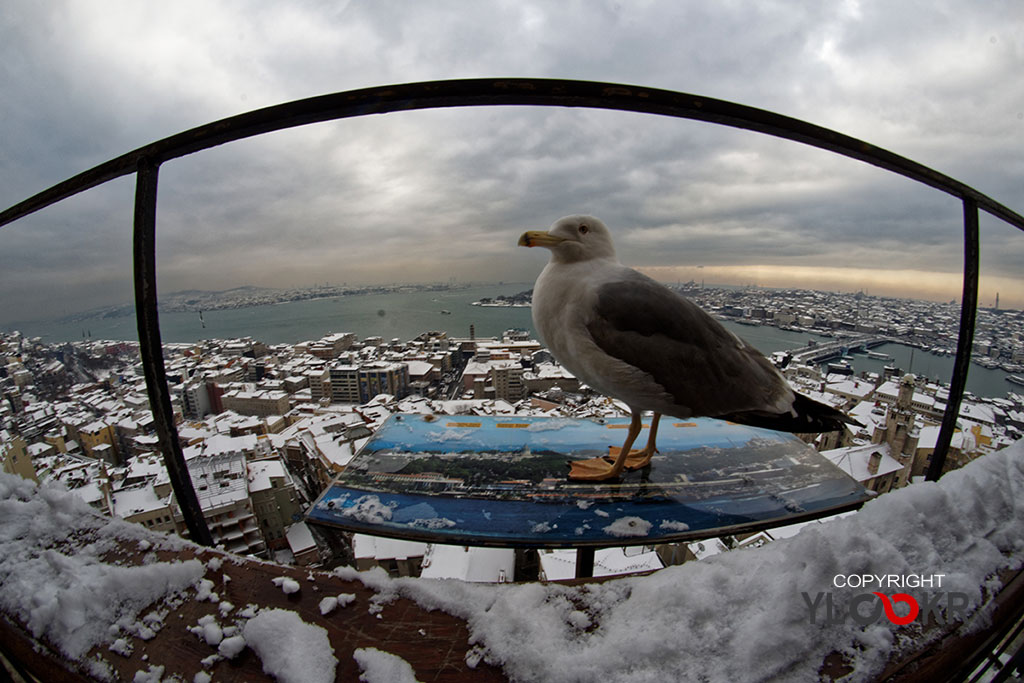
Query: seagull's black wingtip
[{"x": 811, "y": 417}]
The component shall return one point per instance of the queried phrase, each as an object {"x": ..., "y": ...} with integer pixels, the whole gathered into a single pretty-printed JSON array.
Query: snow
[
  {"x": 336, "y": 451},
  {"x": 204, "y": 591},
  {"x": 327, "y": 605},
  {"x": 286, "y": 584},
  {"x": 378, "y": 666},
  {"x": 209, "y": 630},
  {"x": 855, "y": 461},
  {"x": 136, "y": 500},
  {"x": 928, "y": 437},
  {"x": 560, "y": 565},
  {"x": 261, "y": 472},
  {"x": 380, "y": 548},
  {"x": 290, "y": 649},
  {"x": 736, "y": 615},
  {"x": 299, "y": 537},
  {"x": 468, "y": 564},
  {"x": 231, "y": 647},
  {"x": 154, "y": 674},
  {"x": 121, "y": 647},
  {"x": 72, "y": 598},
  {"x": 628, "y": 526}
]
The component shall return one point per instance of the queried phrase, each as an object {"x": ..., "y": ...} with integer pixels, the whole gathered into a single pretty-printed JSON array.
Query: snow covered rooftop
[
  {"x": 299, "y": 537},
  {"x": 929, "y": 436},
  {"x": 560, "y": 565},
  {"x": 262, "y": 471},
  {"x": 855, "y": 461},
  {"x": 337, "y": 450},
  {"x": 380, "y": 548},
  {"x": 851, "y": 386},
  {"x": 419, "y": 368},
  {"x": 490, "y": 565},
  {"x": 219, "y": 480},
  {"x": 136, "y": 500}
]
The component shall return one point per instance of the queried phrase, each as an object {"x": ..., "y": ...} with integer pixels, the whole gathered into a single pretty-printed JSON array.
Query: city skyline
[{"x": 424, "y": 196}]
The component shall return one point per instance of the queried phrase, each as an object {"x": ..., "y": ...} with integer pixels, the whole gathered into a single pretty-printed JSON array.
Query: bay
[
  {"x": 395, "y": 315},
  {"x": 404, "y": 314},
  {"x": 981, "y": 381}
]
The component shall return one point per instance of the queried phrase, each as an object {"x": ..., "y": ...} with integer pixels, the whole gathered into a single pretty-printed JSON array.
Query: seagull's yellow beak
[{"x": 539, "y": 238}]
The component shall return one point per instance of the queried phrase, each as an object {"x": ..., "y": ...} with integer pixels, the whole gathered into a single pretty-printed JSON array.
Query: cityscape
[{"x": 266, "y": 428}]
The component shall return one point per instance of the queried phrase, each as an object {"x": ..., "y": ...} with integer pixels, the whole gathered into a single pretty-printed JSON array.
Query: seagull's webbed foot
[
  {"x": 599, "y": 469},
  {"x": 636, "y": 460},
  {"x": 594, "y": 469}
]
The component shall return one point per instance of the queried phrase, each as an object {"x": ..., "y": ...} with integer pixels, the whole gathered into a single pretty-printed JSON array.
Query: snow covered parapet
[
  {"x": 743, "y": 615},
  {"x": 65, "y": 591},
  {"x": 771, "y": 613}
]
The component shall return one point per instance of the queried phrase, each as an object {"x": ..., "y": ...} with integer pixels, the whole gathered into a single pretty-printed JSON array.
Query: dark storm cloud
[{"x": 429, "y": 195}]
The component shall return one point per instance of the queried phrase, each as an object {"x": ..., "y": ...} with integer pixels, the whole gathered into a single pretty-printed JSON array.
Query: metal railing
[{"x": 145, "y": 163}]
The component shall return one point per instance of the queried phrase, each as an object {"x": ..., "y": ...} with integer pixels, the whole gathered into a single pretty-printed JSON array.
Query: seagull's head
[{"x": 573, "y": 238}]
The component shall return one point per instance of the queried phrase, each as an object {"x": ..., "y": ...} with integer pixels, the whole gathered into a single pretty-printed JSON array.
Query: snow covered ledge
[{"x": 112, "y": 600}]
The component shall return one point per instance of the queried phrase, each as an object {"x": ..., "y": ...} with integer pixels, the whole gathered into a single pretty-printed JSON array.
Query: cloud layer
[{"x": 434, "y": 194}]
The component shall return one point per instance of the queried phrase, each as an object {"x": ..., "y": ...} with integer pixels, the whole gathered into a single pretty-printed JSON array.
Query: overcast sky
[{"x": 430, "y": 195}]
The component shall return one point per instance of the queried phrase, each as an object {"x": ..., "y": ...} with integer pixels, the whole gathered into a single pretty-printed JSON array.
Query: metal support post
[
  {"x": 585, "y": 562},
  {"x": 151, "y": 348},
  {"x": 965, "y": 342}
]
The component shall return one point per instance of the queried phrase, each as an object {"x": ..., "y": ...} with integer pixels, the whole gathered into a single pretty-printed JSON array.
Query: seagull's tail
[{"x": 807, "y": 416}]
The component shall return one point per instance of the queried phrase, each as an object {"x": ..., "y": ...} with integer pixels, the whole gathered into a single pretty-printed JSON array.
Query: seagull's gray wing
[{"x": 704, "y": 367}]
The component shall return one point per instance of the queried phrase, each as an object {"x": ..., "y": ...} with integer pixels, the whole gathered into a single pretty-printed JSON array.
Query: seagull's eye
[{"x": 584, "y": 229}]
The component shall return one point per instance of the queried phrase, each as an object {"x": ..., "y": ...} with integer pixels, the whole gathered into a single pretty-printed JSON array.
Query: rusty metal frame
[{"x": 145, "y": 161}]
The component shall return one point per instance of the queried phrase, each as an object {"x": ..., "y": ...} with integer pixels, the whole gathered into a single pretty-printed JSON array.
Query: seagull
[{"x": 632, "y": 338}]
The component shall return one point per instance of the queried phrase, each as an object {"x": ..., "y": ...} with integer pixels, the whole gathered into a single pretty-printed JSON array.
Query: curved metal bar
[
  {"x": 498, "y": 92},
  {"x": 150, "y": 347},
  {"x": 964, "y": 342}
]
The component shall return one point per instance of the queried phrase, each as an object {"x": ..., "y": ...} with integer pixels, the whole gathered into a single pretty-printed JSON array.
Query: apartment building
[
  {"x": 222, "y": 486},
  {"x": 260, "y": 403},
  {"x": 275, "y": 501},
  {"x": 358, "y": 384}
]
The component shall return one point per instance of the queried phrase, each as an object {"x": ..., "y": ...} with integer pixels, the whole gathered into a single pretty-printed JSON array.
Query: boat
[
  {"x": 840, "y": 368},
  {"x": 1016, "y": 379},
  {"x": 879, "y": 356}
]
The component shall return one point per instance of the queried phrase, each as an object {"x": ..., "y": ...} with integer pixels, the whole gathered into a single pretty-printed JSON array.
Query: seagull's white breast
[{"x": 564, "y": 302}]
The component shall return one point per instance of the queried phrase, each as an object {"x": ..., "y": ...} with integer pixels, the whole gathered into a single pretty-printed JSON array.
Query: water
[
  {"x": 406, "y": 314},
  {"x": 403, "y": 314},
  {"x": 981, "y": 381}
]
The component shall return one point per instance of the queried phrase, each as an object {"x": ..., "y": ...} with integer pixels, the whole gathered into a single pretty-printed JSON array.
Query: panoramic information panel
[{"x": 501, "y": 481}]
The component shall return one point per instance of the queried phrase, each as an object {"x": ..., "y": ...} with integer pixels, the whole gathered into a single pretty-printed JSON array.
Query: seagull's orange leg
[
  {"x": 599, "y": 469},
  {"x": 637, "y": 460}
]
